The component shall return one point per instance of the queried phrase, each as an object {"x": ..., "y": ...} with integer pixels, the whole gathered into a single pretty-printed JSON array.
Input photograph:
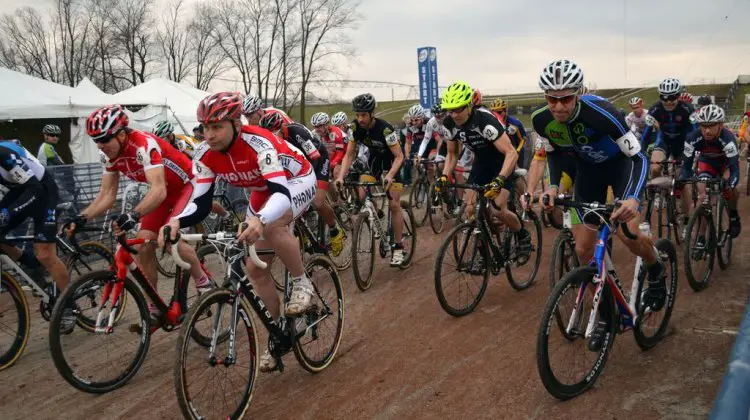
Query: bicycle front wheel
[
  {"x": 436, "y": 211},
  {"x": 319, "y": 330},
  {"x": 14, "y": 321},
  {"x": 363, "y": 252},
  {"x": 651, "y": 326},
  {"x": 120, "y": 351},
  {"x": 462, "y": 270},
  {"x": 217, "y": 382},
  {"x": 418, "y": 201},
  {"x": 408, "y": 235},
  {"x": 699, "y": 249},
  {"x": 567, "y": 361},
  {"x": 524, "y": 261}
]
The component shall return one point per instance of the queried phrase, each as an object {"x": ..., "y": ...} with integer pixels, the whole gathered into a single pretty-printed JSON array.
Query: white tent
[{"x": 182, "y": 101}]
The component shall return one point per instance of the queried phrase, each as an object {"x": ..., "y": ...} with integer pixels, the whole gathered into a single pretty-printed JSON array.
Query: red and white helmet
[
  {"x": 686, "y": 98},
  {"x": 222, "y": 106},
  {"x": 106, "y": 122},
  {"x": 476, "y": 98}
]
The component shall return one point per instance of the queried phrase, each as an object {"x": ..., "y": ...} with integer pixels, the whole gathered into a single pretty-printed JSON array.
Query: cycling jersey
[
  {"x": 313, "y": 149},
  {"x": 715, "y": 156},
  {"x": 418, "y": 135},
  {"x": 276, "y": 172},
  {"x": 674, "y": 127},
  {"x": 378, "y": 138},
  {"x": 143, "y": 151},
  {"x": 479, "y": 134},
  {"x": 334, "y": 144},
  {"x": 48, "y": 156},
  {"x": 434, "y": 128},
  {"x": 596, "y": 134},
  {"x": 186, "y": 144},
  {"x": 30, "y": 192},
  {"x": 637, "y": 124}
]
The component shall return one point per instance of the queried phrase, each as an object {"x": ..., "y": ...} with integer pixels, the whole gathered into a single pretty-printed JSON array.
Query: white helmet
[
  {"x": 670, "y": 86},
  {"x": 339, "y": 118},
  {"x": 635, "y": 100},
  {"x": 251, "y": 104},
  {"x": 416, "y": 111},
  {"x": 560, "y": 75},
  {"x": 709, "y": 114},
  {"x": 319, "y": 118}
]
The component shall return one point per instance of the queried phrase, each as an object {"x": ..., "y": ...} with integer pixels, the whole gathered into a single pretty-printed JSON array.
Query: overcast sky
[{"x": 501, "y": 45}]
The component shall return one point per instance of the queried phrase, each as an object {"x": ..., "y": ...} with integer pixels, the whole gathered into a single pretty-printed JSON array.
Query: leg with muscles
[
  {"x": 511, "y": 220},
  {"x": 202, "y": 281},
  {"x": 264, "y": 285},
  {"x": 585, "y": 237},
  {"x": 46, "y": 253},
  {"x": 398, "y": 225},
  {"x": 326, "y": 212},
  {"x": 657, "y": 157}
]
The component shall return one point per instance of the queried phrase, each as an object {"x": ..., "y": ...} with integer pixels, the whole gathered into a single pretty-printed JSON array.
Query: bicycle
[
  {"x": 489, "y": 250},
  {"x": 660, "y": 195},
  {"x": 112, "y": 312},
  {"x": 613, "y": 311},
  {"x": 711, "y": 230},
  {"x": 235, "y": 301},
  {"x": 368, "y": 229},
  {"x": 419, "y": 194},
  {"x": 79, "y": 257}
]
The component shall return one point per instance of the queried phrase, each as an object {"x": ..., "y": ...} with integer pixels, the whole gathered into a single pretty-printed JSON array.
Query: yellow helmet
[
  {"x": 457, "y": 95},
  {"x": 498, "y": 104}
]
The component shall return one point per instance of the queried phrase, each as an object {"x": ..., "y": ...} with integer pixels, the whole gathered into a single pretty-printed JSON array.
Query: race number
[{"x": 629, "y": 144}]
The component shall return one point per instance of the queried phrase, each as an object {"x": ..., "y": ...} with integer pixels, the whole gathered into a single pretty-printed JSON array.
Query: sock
[
  {"x": 333, "y": 231},
  {"x": 29, "y": 259},
  {"x": 203, "y": 279},
  {"x": 399, "y": 246}
]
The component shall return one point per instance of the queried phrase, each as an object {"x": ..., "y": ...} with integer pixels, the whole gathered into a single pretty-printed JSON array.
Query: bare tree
[
  {"x": 175, "y": 43},
  {"x": 27, "y": 45},
  {"x": 72, "y": 47},
  {"x": 322, "y": 26},
  {"x": 283, "y": 9},
  {"x": 263, "y": 22},
  {"x": 206, "y": 52},
  {"x": 229, "y": 20},
  {"x": 134, "y": 34},
  {"x": 102, "y": 68}
]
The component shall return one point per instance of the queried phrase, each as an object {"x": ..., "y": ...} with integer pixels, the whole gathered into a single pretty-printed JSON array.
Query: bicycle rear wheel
[
  {"x": 699, "y": 249},
  {"x": 363, "y": 252},
  {"x": 72, "y": 353},
  {"x": 650, "y": 326},
  {"x": 562, "y": 261},
  {"x": 418, "y": 201},
  {"x": 344, "y": 222},
  {"x": 724, "y": 239},
  {"x": 217, "y": 385},
  {"x": 525, "y": 266},
  {"x": 464, "y": 253},
  {"x": 436, "y": 211},
  {"x": 14, "y": 321},
  {"x": 408, "y": 235},
  {"x": 99, "y": 257},
  {"x": 554, "y": 354},
  {"x": 319, "y": 330}
]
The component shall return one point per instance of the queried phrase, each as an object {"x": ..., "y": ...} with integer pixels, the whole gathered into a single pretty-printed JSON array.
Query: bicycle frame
[{"x": 6, "y": 263}]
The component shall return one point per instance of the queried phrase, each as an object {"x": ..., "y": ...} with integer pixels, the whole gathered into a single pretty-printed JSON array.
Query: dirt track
[{"x": 402, "y": 356}]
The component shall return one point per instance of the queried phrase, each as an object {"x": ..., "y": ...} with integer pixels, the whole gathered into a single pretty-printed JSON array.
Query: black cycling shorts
[
  {"x": 41, "y": 210},
  {"x": 592, "y": 181},
  {"x": 380, "y": 166}
]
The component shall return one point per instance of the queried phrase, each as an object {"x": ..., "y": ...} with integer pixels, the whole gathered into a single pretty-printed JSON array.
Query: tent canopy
[{"x": 181, "y": 99}]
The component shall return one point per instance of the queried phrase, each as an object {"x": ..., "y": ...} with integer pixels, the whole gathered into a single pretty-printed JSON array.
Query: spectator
[
  {"x": 47, "y": 153},
  {"x": 198, "y": 132}
]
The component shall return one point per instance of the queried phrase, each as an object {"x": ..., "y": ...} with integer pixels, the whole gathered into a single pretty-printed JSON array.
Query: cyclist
[
  {"x": 636, "y": 120},
  {"x": 31, "y": 193},
  {"x": 606, "y": 153},
  {"x": 142, "y": 157},
  {"x": 516, "y": 132},
  {"x": 198, "y": 132},
  {"x": 415, "y": 134},
  {"x": 48, "y": 155},
  {"x": 385, "y": 161},
  {"x": 332, "y": 138},
  {"x": 494, "y": 155},
  {"x": 341, "y": 121},
  {"x": 183, "y": 143},
  {"x": 718, "y": 154},
  {"x": 252, "y": 109},
  {"x": 282, "y": 184},
  {"x": 702, "y": 101},
  {"x": 436, "y": 124},
  {"x": 317, "y": 154}
]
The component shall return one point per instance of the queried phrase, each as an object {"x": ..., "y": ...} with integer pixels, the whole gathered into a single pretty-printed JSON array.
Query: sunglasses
[
  {"x": 708, "y": 125},
  {"x": 457, "y": 110},
  {"x": 669, "y": 98},
  {"x": 52, "y": 135},
  {"x": 565, "y": 99},
  {"x": 104, "y": 140}
]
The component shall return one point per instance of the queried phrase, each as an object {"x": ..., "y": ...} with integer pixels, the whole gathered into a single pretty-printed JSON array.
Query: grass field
[{"x": 393, "y": 111}]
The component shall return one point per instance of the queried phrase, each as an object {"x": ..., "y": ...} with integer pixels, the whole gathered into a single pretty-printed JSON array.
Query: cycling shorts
[
  {"x": 41, "y": 211},
  {"x": 302, "y": 190},
  {"x": 673, "y": 150},
  {"x": 154, "y": 220},
  {"x": 709, "y": 170},
  {"x": 396, "y": 186},
  {"x": 593, "y": 180},
  {"x": 379, "y": 167},
  {"x": 322, "y": 169}
]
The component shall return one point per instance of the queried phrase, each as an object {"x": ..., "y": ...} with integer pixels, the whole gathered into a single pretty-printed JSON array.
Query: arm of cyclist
[
  {"x": 157, "y": 191},
  {"x": 196, "y": 201},
  {"x": 451, "y": 160},
  {"x": 688, "y": 155},
  {"x": 338, "y": 154},
  {"x": 732, "y": 153},
  {"x": 504, "y": 146},
  {"x": 346, "y": 163},
  {"x": 32, "y": 187},
  {"x": 398, "y": 160}
]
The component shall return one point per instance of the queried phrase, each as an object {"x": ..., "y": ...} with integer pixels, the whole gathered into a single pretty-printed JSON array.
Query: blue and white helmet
[
  {"x": 670, "y": 86},
  {"x": 319, "y": 118},
  {"x": 416, "y": 111},
  {"x": 339, "y": 118},
  {"x": 709, "y": 114},
  {"x": 561, "y": 75}
]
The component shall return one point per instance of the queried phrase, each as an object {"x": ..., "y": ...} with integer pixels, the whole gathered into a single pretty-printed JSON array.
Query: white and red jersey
[
  {"x": 334, "y": 143},
  {"x": 284, "y": 116},
  {"x": 143, "y": 151}
]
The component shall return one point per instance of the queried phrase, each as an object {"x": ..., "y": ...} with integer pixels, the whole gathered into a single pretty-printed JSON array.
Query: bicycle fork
[{"x": 124, "y": 261}]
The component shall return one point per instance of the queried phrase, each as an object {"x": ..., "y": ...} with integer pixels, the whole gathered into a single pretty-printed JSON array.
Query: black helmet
[
  {"x": 437, "y": 109},
  {"x": 704, "y": 100},
  {"x": 363, "y": 103}
]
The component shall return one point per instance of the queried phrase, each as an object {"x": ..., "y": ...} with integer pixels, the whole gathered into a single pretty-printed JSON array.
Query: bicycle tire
[
  {"x": 8, "y": 284},
  {"x": 606, "y": 312},
  {"x": 674, "y": 220},
  {"x": 724, "y": 239},
  {"x": 362, "y": 277},
  {"x": 537, "y": 230},
  {"x": 700, "y": 214},
  {"x": 185, "y": 398},
  {"x": 344, "y": 222},
  {"x": 436, "y": 212},
  {"x": 454, "y": 240},
  {"x": 409, "y": 235},
  {"x": 420, "y": 189},
  {"x": 186, "y": 301},
  {"x": 76, "y": 260},
  {"x": 61, "y": 363},
  {"x": 668, "y": 255},
  {"x": 312, "y": 319}
]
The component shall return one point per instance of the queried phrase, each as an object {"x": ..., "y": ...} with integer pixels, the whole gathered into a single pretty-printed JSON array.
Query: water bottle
[{"x": 645, "y": 228}]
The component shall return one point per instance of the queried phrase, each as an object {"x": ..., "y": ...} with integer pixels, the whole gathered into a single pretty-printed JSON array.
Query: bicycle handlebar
[
  {"x": 198, "y": 237},
  {"x": 606, "y": 208},
  {"x": 367, "y": 185}
]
